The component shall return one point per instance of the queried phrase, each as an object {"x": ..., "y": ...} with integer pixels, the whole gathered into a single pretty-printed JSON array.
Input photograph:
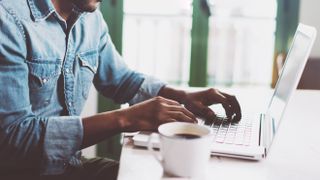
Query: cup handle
[{"x": 150, "y": 148}]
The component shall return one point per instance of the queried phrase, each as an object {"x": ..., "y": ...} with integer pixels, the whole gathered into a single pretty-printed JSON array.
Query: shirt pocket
[
  {"x": 88, "y": 62},
  {"x": 43, "y": 77}
]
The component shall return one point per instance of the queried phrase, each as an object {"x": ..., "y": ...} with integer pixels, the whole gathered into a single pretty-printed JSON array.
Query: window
[
  {"x": 241, "y": 42},
  {"x": 157, "y": 39}
]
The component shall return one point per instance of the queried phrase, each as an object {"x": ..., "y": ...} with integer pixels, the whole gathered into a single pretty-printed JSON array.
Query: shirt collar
[{"x": 41, "y": 9}]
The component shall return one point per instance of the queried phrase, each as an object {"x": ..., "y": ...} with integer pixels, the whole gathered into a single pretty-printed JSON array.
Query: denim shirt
[{"x": 46, "y": 70}]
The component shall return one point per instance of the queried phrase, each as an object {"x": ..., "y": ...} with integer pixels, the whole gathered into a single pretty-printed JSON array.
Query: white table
[{"x": 295, "y": 153}]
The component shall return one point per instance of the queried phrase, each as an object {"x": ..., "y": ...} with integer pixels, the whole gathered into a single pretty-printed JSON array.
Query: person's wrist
[
  {"x": 181, "y": 96},
  {"x": 174, "y": 94},
  {"x": 125, "y": 122}
]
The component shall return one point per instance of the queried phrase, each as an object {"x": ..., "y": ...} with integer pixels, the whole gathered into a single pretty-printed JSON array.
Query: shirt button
[
  {"x": 67, "y": 71},
  {"x": 70, "y": 104},
  {"x": 46, "y": 102},
  {"x": 44, "y": 80}
]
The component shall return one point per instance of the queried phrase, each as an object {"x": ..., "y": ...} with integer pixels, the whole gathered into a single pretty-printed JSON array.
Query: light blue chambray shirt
[{"x": 45, "y": 77}]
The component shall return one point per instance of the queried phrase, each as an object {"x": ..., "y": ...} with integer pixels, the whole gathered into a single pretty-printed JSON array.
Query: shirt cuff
[
  {"x": 62, "y": 141},
  {"x": 148, "y": 89}
]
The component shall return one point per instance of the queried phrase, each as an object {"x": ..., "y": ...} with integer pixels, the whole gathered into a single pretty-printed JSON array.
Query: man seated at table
[{"x": 51, "y": 51}]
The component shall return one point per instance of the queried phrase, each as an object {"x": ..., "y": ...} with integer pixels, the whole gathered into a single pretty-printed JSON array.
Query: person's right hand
[{"x": 148, "y": 115}]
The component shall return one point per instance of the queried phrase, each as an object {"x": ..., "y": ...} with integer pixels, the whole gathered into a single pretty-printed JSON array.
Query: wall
[{"x": 309, "y": 14}]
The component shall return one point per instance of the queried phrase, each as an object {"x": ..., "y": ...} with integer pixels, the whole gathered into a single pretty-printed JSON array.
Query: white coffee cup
[{"x": 185, "y": 149}]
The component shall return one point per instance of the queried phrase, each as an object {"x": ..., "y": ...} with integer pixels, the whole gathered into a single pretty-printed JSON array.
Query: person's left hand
[{"x": 198, "y": 102}]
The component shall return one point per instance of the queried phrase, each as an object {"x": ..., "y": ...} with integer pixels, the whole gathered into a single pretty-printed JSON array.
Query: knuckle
[
  {"x": 212, "y": 91},
  {"x": 158, "y": 98},
  {"x": 181, "y": 108},
  {"x": 232, "y": 96}
]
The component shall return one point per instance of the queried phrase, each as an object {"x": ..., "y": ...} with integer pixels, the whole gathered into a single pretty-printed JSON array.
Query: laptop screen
[{"x": 291, "y": 72}]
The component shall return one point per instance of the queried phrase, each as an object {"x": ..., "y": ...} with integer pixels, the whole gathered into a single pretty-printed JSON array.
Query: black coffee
[{"x": 186, "y": 136}]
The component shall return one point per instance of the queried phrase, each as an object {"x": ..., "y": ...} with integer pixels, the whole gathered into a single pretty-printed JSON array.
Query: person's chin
[{"x": 89, "y": 7}]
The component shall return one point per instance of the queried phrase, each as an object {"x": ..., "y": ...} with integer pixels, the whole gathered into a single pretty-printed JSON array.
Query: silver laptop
[{"x": 251, "y": 138}]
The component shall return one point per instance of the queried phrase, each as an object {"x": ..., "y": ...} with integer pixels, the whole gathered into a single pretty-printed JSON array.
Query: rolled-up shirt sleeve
[
  {"x": 62, "y": 140},
  {"x": 149, "y": 89},
  {"x": 27, "y": 140}
]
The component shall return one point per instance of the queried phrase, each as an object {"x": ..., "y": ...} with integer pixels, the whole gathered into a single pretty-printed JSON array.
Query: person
[{"x": 51, "y": 51}]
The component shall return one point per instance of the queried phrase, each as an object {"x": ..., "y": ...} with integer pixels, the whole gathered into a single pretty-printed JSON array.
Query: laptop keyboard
[{"x": 225, "y": 131}]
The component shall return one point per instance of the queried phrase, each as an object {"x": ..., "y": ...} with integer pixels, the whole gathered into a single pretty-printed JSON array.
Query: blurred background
[{"x": 217, "y": 43}]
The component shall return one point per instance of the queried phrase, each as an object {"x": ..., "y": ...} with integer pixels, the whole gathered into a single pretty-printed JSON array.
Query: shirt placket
[{"x": 69, "y": 77}]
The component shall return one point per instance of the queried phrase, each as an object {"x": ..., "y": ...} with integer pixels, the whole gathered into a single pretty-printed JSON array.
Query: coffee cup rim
[{"x": 209, "y": 131}]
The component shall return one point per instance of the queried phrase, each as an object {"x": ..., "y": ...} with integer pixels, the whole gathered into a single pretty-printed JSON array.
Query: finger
[
  {"x": 184, "y": 110},
  {"x": 228, "y": 109},
  {"x": 208, "y": 113},
  {"x": 168, "y": 121},
  {"x": 235, "y": 106},
  {"x": 215, "y": 96},
  {"x": 219, "y": 97},
  {"x": 180, "y": 116},
  {"x": 202, "y": 111}
]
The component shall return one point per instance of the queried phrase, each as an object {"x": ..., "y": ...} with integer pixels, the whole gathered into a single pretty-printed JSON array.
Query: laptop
[{"x": 251, "y": 138}]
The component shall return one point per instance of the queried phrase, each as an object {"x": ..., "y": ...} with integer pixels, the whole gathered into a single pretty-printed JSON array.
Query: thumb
[
  {"x": 201, "y": 110},
  {"x": 207, "y": 113}
]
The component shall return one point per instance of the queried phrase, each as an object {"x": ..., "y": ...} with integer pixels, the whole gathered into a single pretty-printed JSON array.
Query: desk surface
[{"x": 295, "y": 153}]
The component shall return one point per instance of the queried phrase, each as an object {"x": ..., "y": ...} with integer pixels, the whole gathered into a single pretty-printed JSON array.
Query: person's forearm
[
  {"x": 171, "y": 93},
  {"x": 103, "y": 125}
]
